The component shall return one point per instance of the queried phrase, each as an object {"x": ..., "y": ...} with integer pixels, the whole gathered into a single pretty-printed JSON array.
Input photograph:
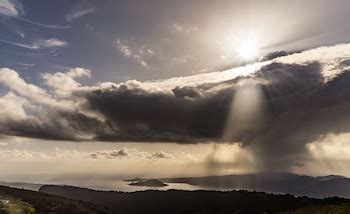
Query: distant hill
[
  {"x": 287, "y": 183},
  {"x": 178, "y": 201},
  {"x": 21, "y": 185},
  {"x": 283, "y": 183},
  {"x": 329, "y": 177}
]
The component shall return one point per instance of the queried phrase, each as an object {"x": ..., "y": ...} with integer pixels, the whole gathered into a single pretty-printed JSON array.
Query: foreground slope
[
  {"x": 25, "y": 201},
  {"x": 177, "y": 201}
]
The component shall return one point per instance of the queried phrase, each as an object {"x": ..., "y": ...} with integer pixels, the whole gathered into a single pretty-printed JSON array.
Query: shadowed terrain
[
  {"x": 20, "y": 201},
  {"x": 286, "y": 183},
  {"x": 178, "y": 201},
  {"x": 68, "y": 199}
]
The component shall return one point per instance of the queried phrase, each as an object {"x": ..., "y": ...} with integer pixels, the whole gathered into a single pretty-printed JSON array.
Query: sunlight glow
[{"x": 248, "y": 49}]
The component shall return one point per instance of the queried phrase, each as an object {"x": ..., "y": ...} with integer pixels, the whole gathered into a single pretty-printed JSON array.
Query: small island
[{"x": 148, "y": 183}]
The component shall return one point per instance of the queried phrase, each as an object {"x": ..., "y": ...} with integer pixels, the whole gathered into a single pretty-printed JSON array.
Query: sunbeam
[{"x": 247, "y": 112}]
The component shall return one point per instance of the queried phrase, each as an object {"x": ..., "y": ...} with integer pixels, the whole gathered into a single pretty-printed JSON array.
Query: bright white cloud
[
  {"x": 331, "y": 147},
  {"x": 329, "y": 154},
  {"x": 24, "y": 100},
  {"x": 12, "y": 107},
  {"x": 50, "y": 43},
  {"x": 14, "y": 82},
  {"x": 10, "y": 8},
  {"x": 79, "y": 72},
  {"x": 63, "y": 83},
  {"x": 329, "y": 57}
]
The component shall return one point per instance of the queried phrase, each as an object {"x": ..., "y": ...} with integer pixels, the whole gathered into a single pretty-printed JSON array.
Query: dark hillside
[
  {"x": 177, "y": 201},
  {"x": 45, "y": 203}
]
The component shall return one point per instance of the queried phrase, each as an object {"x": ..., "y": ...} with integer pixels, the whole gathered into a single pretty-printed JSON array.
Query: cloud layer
[{"x": 274, "y": 108}]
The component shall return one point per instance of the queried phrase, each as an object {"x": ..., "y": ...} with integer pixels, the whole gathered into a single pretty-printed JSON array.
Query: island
[{"x": 148, "y": 183}]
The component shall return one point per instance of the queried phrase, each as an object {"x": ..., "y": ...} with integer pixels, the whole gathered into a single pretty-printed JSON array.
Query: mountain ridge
[{"x": 285, "y": 183}]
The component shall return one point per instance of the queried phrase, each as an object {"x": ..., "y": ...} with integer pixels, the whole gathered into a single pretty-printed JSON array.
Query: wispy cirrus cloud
[
  {"x": 14, "y": 9},
  {"x": 134, "y": 52},
  {"x": 49, "y": 43},
  {"x": 74, "y": 14},
  {"x": 182, "y": 28},
  {"x": 39, "y": 44},
  {"x": 39, "y": 24}
]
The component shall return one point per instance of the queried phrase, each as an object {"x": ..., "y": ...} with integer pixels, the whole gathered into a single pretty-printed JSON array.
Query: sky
[
  {"x": 172, "y": 88},
  {"x": 122, "y": 40}
]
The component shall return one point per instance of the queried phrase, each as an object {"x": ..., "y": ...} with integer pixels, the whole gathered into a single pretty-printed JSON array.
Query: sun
[{"x": 247, "y": 49}]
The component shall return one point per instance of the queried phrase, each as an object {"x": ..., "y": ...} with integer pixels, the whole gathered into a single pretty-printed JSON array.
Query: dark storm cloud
[
  {"x": 200, "y": 112},
  {"x": 182, "y": 114},
  {"x": 301, "y": 100},
  {"x": 273, "y": 55},
  {"x": 301, "y": 106},
  {"x": 56, "y": 126}
]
